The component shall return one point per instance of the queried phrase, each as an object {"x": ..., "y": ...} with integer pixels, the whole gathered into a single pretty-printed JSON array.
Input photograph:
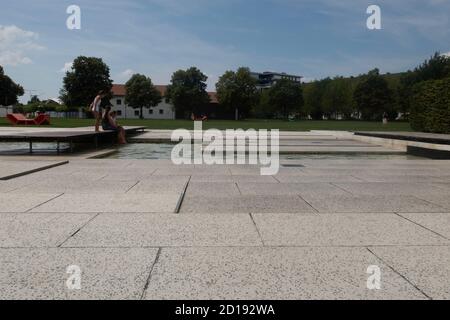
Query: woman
[
  {"x": 96, "y": 109},
  {"x": 109, "y": 124}
]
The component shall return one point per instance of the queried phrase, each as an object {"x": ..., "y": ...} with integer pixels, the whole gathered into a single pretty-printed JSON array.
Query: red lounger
[
  {"x": 20, "y": 119},
  {"x": 42, "y": 119}
]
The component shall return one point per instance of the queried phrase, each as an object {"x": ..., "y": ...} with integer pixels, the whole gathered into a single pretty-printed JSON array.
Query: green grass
[{"x": 248, "y": 124}]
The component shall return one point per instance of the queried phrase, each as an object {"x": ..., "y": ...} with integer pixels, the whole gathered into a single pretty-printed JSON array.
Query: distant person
[
  {"x": 109, "y": 123},
  {"x": 96, "y": 108}
]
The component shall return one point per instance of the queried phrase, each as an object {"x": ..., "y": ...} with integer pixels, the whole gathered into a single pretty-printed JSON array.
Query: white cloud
[
  {"x": 124, "y": 75},
  {"x": 67, "y": 67},
  {"x": 16, "y": 44},
  {"x": 446, "y": 54}
]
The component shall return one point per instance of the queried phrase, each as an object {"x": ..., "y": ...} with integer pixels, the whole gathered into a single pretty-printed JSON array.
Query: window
[
  {"x": 150, "y": 111},
  {"x": 119, "y": 102},
  {"x": 137, "y": 113},
  {"x": 161, "y": 111},
  {"x": 119, "y": 113}
]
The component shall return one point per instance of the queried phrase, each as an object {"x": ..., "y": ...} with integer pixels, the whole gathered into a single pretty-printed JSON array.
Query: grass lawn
[{"x": 248, "y": 124}]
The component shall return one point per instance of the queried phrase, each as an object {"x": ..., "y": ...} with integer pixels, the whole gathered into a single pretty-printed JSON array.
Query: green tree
[
  {"x": 373, "y": 97},
  {"x": 187, "y": 92},
  {"x": 430, "y": 106},
  {"x": 88, "y": 76},
  {"x": 141, "y": 93},
  {"x": 337, "y": 98},
  {"x": 314, "y": 93},
  {"x": 34, "y": 99},
  {"x": 9, "y": 90},
  {"x": 435, "y": 68},
  {"x": 237, "y": 92},
  {"x": 285, "y": 97}
]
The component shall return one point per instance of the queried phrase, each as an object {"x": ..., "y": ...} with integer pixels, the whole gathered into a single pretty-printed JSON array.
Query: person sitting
[{"x": 109, "y": 123}]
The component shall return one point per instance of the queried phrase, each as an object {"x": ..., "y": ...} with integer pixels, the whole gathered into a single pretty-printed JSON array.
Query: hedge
[{"x": 430, "y": 106}]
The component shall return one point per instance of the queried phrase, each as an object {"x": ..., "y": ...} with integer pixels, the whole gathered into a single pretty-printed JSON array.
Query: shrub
[{"x": 430, "y": 106}]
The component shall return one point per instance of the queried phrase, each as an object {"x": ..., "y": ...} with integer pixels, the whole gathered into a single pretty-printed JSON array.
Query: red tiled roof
[{"x": 119, "y": 90}]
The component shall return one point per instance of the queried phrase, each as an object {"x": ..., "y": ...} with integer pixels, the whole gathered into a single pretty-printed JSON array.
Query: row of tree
[{"x": 370, "y": 96}]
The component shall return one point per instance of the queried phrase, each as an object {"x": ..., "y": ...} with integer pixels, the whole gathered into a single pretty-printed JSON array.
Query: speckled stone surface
[
  {"x": 105, "y": 273},
  {"x": 272, "y": 273},
  {"x": 167, "y": 230}
]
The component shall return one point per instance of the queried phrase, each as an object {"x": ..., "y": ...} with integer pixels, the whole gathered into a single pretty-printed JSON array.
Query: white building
[
  {"x": 162, "y": 111},
  {"x": 5, "y": 110}
]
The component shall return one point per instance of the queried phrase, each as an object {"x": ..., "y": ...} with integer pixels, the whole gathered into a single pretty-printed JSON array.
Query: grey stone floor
[{"x": 306, "y": 233}]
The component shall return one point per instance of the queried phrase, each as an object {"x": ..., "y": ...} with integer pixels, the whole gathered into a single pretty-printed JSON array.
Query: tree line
[{"x": 369, "y": 96}]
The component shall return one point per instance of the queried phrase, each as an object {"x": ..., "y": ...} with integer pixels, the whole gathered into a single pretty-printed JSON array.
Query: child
[{"x": 109, "y": 123}]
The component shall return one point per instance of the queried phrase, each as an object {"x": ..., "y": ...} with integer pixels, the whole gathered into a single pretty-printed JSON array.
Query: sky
[{"x": 311, "y": 38}]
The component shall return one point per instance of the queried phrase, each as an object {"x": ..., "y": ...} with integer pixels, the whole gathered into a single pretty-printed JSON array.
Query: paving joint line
[
  {"x": 339, "y": 187},
  {"x": 147, "y": 283},
  {"x": 401, "y": 275},
  {"x": 41, "y": 204},
  {"x": 77, "y": 231},
  {"x": 309, "y": 204},
  {"x": 257, "y": 229},
  {"x": 134, "y": 185},
  {"x": 418, "y": 224},
  {"x": 181, "y": 198}
]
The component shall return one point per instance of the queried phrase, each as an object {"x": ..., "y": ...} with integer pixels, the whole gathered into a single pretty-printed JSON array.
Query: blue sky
[{"x": 312, "y": 38}]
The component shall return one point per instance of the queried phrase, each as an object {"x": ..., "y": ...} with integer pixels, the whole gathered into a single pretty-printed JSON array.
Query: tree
[
  {"x": 87, "y": 77},
  {"x": 286, "y": 96},
  {"x": 141, "y": 93},
  {"x": 9, "y": 90},
  {"x": 34, "y": 99},
  {"x": 373, "y": 97},
  {"x": 314, "y": 93},
  {"x": 187, "y": 92},
  {"x": 338, "y": 98},
  {"x": 237, "y": 92},
  {"x": 436, "y": 68}
]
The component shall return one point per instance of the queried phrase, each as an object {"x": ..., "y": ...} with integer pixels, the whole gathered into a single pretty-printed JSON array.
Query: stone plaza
[{"x": 147, "y": 229}]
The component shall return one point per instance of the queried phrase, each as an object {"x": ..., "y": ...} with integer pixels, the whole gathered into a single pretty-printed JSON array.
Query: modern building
[
  {"x": 267, "y": 79},
  {"x": 163, "y": 111}
]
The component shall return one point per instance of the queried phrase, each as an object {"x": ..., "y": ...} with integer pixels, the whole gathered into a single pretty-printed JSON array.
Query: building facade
[
  {"x": 163, "y": 111},
  {"x": 267, "y": 80}
]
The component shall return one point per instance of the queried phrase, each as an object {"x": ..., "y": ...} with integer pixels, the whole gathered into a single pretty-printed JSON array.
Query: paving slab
[
  {"x": 397, "y": 178},
  {"x": 176, "y": 171},
  {"x": 439, "y": 200},
  {"x": 38, "y": 230},
  {"x": 370, "y": 204},
  {"x": 105, "y": 203},
  {"x": 313, "y": 188},
  {"x": 111, "y": 274},
  {"x": 313, "y": 179},
  {"x": 77, "y": 187},
  {"x": 342, "y": 230},
  {"x": 167, "y": 230},
  {"x": 436, "y": 222},
  {"x": 12, "y": 169},
  {"x": 16, "y": 203},
  {"x": 387, "y": 188},
  {"x": 149, "y": 186},
  {"x": 215, "y": 189},
  {"x": 245, "y": 204},
  {"x": 271, "y": 273},
  {"x": 428, "y": 268}
]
